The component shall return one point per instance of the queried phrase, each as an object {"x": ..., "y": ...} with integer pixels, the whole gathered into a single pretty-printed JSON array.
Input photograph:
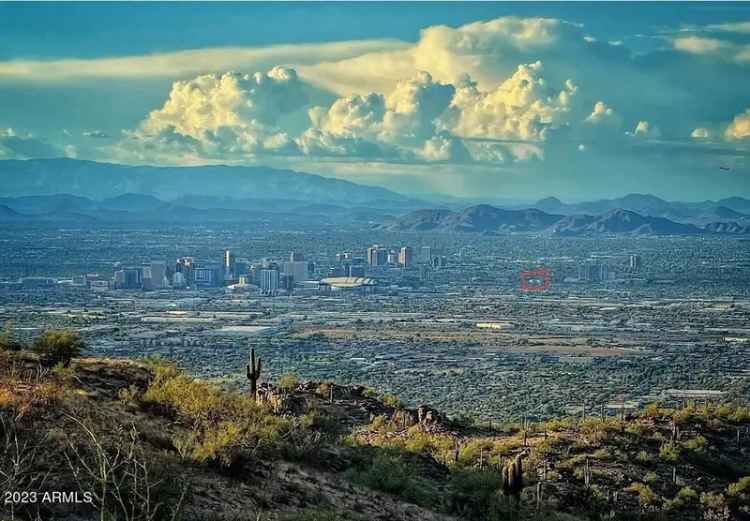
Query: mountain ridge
[
  {"x": 96, "y": 180},
  {"x": 489, "y": 220}
]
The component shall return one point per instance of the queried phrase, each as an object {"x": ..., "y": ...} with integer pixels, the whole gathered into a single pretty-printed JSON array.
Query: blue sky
[{"x": 517, "y": 100}]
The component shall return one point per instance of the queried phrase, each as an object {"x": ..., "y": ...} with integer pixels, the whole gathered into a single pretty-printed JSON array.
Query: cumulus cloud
[
  {"x": 700, "y": 133},
  {"x": 399, "y": 124},
  {"x": 18, "y": 145},
  {"x": 603, "y": 115},
  {"x": 228, "y": 115},
  {"x": 474, "y": 93},
  {"x": 488, "y": 51},
  {"x": 523, "y": 107},
  {"x": 739, "y": 128},
  {"x": 645, "y": 130}
]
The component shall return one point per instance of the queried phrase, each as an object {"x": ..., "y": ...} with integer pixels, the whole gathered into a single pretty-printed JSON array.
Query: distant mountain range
[
  {"x": 489, "y": 219},
  {"x": 70, "y": 190},
  {"x": 701, "y": 213},
  {"x": 103, "y": 180},
  {"x": 139, "y": 208}
]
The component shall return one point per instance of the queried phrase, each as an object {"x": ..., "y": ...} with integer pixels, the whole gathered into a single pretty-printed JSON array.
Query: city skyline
[{"x": 517, "y": 101}]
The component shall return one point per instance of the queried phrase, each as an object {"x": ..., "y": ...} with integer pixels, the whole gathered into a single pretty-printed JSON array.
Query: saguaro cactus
[
  {"x": 512, "y": 476},
  {"x": 253, "y": 373}
]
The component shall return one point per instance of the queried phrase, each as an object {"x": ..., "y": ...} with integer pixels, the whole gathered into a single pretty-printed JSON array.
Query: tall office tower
[
  {"x": 636, "y": 263},
  {"x": 205, "y": 277},
  {"x": 593, "y": 272},
  {"x": 406, "y": 256},
  {"x": 296, "y": 257},
  {"x": 439, "y": 262},
  {"x": 296, "y": 269},
  {"x": 377, "y": 255},
  {"x": 178, "y": 280},
  {"x": 158, "y": 274},
  {"x": 392, "y": 258},
  {"x": 286, "y": 282},
  {"x": 425, "y": 255},
  {"x": 372, "y": 255},
  {"x": 229, "y": 265},
  {"x": 185, "y": 266},
  {"x": 269, "y": 281},
  {"x": 118, "y": 279},
  {"x": 343, "y": 257},
  {"x": 133, "y": 278},
  {"x": 382, "y": 257}
]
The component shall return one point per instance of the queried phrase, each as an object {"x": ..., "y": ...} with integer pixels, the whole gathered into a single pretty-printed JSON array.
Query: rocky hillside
[
  {"x": 141, "y": 440},
  {"x": 489, "y": 219}
]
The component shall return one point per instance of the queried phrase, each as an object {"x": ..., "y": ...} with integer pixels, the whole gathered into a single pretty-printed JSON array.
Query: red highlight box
[{"x": 536, "y": 280}]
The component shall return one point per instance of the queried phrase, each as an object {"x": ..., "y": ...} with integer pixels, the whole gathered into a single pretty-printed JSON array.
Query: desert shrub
[
  {"x": 685, "y": 415},
  {"x": 392, "y": 401},
  {"x": 288, "y": 382},
  {"x": 739, "y": 488},
  {"x": 124, "y": 481},
  {"x": 687, "y": 493},
  {"x": 638, "y": 429},
  {"x": 714, "y": 503},
  {"x": 647, "y": 498},
  {"x": 643, "y": 457},
  {"x": 317, "y": 420},
  {"x": 388, "y": 472},
  {"x": 320, "y": 514},
  {"x": 697, "y": 444},
  {"x": 669, "y": 452},
  {"x": 223, "y": 424},
  {"x": 475, "y": 495},
  {"x": 58, "y": 346},
  {"x": 8, "y": 342}
]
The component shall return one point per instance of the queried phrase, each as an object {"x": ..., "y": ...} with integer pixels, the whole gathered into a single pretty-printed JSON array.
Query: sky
[{"x": 479, "y": 100}]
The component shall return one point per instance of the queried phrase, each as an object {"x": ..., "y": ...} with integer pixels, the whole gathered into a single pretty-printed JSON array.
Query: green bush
[
  {"x": 389, "y": 473},
  {"x": 475, "y": 495},
  {"x": 288, "y": 382},
  {"x": 58, "y": 346},
  {"x": 8, "y": 341}
]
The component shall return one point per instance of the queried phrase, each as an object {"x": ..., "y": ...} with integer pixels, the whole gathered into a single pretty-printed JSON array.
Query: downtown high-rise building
[
  {"x": 377, "y": 256},
  {"x": 229, "y": 266},
  {"x": 635, "y": 263},
  {"x": 425, "y": 255},
  {"x": 406, "y": 256},
  {"x": 158, "y": 270},
  {"x": 269, "y": 281}
]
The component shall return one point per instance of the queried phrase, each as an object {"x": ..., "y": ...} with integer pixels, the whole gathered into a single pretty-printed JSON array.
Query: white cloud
[
  {"x": 96, "y": 134},
  {"x": 730, "y": 27},
  {"x": 523, "y": 107},
  {"x": 180, "y": 64},
  {"x": 700, "y": 133},
  {"x": 603, "y": 115},
  {"x": 698, "y": 44},
  {"x": 230, "y": 115},
  {"x": 488, "y": 51},
  {"x": 645, "y": 130},
  {"x": 19, "y": 145},
  {"x": 726, "y": 50},
  {"x": 739, "y": 128}
]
